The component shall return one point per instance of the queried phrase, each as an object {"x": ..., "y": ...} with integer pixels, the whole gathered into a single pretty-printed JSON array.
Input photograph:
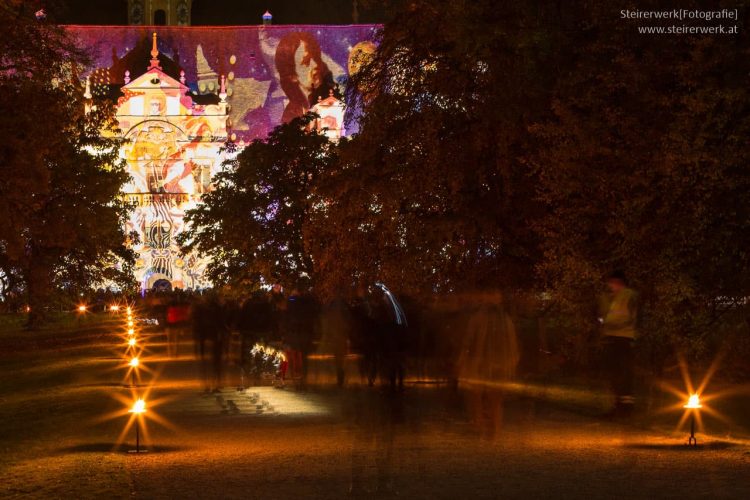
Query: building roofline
[{"x": 209, "y": 26}]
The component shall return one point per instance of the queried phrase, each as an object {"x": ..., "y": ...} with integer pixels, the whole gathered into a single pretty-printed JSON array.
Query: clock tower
[{"x": 159, "y": 12}]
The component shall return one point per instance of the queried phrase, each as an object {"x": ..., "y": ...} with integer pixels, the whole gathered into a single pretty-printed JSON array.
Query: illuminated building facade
[
  {"x": 205, "y": 87},
  {"x": 173, "y": 148}
]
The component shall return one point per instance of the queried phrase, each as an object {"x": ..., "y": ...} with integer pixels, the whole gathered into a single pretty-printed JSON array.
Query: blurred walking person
[
  {"x": 619, "y": 315},
  {"x": 301, "y": 315},
  {"x": 489, "y": 356},
  {"x": 177, "y": 317},
  {"x": 393, "y": 336},
  {"x": 202, "y": 337},
  {"x": 211, "y": 334},
  {"x": 336, "y": 324},
  {"x": 365, "y": 336}
]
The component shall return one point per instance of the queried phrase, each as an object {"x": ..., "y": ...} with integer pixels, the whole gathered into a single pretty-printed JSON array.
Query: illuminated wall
[
  {"x": 177, "y": 120},
  {"x": 274, "y": 73}
]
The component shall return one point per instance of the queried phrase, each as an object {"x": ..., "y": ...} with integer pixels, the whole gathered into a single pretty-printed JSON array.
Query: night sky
[{"x": 227, "y": 12}]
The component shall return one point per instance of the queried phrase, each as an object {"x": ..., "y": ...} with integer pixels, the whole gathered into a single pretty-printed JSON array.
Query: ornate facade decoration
[
  {"x": 330, "y": 119},
  {"x": 173, "y": 148}
]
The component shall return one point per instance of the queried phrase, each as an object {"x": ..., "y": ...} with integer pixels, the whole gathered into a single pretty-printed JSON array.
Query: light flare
[
  {"x": 138, "y": 407},
  {"x": 694, "y": 402}
]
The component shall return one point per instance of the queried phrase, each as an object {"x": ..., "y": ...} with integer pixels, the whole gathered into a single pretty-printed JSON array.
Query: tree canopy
[
  {"x": 531, "y": 147},
  {"x": 644, "y": 168},
  {"x": 433, "y": 190},
  {"x": 62, "y": 221},
  {"x": 251, "y": 223}
]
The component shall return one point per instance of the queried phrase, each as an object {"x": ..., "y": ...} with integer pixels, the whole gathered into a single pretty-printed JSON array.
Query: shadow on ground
[
  {"x": 111, "y": 447},
  {"x": 714, "y": 445}
]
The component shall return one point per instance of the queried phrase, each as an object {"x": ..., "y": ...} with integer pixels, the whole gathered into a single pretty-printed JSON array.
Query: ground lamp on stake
[
  {"x": 693, "y": 405},
  {"x": 139, "y": 407}
]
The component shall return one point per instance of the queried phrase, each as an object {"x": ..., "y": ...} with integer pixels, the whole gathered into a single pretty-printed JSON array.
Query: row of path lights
[
  {"x": 139, "y": 406},
  {"x": 133, "y": 362}
]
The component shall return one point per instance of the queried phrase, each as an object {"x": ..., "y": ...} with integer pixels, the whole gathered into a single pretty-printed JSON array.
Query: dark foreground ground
[{"x": 63, "y": 415}]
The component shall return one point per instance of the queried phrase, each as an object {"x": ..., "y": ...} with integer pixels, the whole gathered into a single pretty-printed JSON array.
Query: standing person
[{"x": 618, "y": 319}]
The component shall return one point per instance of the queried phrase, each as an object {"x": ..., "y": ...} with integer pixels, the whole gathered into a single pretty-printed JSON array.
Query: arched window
[{"x": 160, "y": 17}]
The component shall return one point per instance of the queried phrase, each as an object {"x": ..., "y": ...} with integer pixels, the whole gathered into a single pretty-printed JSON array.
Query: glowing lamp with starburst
[
  {"x": 693, "y": 403},
  {"x": 138, "y": 409}
]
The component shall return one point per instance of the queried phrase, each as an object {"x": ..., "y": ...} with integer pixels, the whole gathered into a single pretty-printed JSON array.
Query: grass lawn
[{"x": 50, "y": 400}]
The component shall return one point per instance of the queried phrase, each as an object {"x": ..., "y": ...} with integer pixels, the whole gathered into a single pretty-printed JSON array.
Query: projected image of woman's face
[
  {"x": 307, "y": 68},
  {"x": 302, "y": 62}
]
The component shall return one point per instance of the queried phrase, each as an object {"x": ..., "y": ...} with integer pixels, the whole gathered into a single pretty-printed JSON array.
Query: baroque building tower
[{"x": 159, "y": 12}]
